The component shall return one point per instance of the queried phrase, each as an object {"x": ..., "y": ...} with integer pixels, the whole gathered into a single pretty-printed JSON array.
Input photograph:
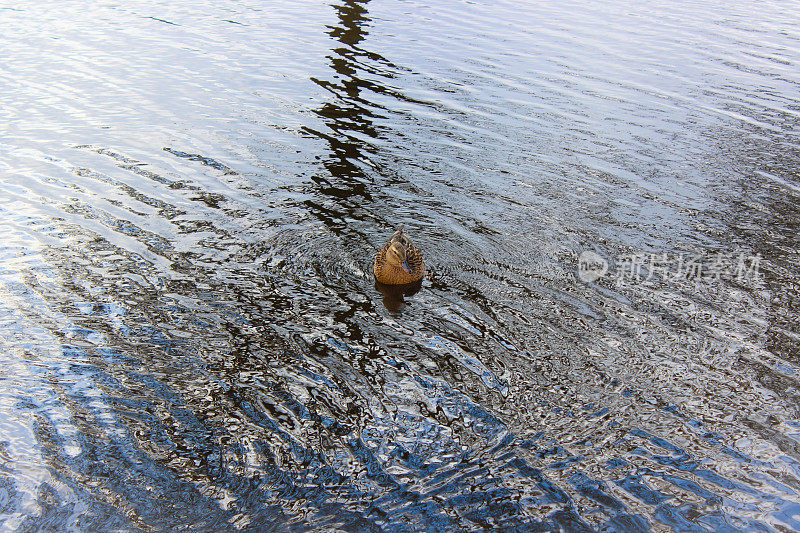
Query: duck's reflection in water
[{"x": 394, "y": 295}]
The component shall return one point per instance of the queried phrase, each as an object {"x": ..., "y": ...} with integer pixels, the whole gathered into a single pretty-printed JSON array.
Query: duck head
[{"x": 396, "y": 254}]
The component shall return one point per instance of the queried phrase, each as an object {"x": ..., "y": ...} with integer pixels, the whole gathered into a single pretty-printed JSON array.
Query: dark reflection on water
[
  {"x": 192, "y": 338},
  {"x": 395, "y": 296}
]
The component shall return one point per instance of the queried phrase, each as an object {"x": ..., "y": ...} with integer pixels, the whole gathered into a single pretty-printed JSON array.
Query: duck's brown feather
[{"x": 392, "y": 275}]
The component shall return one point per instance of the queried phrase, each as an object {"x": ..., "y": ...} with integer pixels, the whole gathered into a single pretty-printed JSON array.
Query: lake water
[{"x": 191, "y": 195}]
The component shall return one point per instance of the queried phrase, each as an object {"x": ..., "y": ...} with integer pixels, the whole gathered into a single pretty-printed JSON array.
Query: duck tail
[{"x": 397, "y": 234}]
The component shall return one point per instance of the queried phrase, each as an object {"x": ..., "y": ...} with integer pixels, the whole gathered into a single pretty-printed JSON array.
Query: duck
[{"x": 399, "y": 262}]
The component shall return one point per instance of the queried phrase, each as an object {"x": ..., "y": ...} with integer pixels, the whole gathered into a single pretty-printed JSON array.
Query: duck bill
[{"x": 405, "y": 266}]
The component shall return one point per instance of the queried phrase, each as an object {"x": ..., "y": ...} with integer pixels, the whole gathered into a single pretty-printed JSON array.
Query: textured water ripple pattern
[{"x": 190, "y": 198}]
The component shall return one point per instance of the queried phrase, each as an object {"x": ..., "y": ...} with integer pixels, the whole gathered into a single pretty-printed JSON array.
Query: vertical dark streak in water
[{"x": 348, "y": 120}]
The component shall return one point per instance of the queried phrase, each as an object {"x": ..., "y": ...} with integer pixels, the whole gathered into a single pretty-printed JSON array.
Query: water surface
[{"x": 191, "y": 198}]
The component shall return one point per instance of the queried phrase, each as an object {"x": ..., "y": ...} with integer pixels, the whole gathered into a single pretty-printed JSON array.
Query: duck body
[{"x": 399, "y": 262}]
